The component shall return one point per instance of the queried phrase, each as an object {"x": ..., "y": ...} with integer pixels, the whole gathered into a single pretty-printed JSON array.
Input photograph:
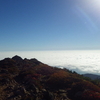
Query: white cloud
[{"x": 79, "y": 61}]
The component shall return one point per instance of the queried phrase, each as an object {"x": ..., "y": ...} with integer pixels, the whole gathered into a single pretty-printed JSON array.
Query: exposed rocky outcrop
[{"x": 17, "y": 58}]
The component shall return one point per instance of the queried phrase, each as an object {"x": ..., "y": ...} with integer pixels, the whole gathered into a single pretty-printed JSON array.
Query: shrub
[{"x": 58, "y": 79}]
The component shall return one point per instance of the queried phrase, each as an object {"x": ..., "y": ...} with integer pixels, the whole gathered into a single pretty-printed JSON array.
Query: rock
[
  {"x": 34, "y": 88},
  {"x": 62, "y": 91},
  {"x": 23, "y": 90},
  {"x": 20, "y": 91},
  {"x": 35, "y": 61},
  {"x": 63, "y": 95},
  {"x": 17, "y": 97},
  {"x": 78, "y": 94},
  {"x": 17, "y": 58},
  {"x": 10, "y": 88},
  {"x": 47, "y": 95},
  {"x": 43, "y": 90}
]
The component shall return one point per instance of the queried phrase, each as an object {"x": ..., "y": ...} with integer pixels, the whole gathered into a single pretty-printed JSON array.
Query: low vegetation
[{"x": 30, "y": 79}]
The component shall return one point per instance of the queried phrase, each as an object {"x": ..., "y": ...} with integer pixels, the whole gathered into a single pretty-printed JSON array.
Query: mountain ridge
[
  {"x": 30, "y": 79},
  {"x": 92, "y": 76}
]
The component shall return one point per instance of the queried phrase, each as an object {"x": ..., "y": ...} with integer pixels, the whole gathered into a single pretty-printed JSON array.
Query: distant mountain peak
[{"x": 92, "y": 76}]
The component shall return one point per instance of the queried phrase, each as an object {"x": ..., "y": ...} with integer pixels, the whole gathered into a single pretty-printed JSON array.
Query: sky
[{"x": 27, "y": 25}]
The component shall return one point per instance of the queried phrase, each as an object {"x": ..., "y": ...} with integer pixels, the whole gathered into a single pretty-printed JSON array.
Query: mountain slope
[{"x": 30, "y": 79}]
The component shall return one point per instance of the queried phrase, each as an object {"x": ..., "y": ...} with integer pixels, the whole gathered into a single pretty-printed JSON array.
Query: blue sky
[{"x": 27, "y": 25}]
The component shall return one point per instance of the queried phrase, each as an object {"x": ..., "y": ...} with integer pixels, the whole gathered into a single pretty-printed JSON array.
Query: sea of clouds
[{"x": 81, "y": 61}]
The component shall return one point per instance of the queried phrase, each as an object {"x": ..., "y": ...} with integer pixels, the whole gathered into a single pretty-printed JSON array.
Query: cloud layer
[{"x": 87, "y": 61}]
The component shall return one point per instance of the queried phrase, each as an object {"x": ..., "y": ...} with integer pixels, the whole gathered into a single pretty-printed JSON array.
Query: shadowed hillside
[{"x": 30, "y": 79}]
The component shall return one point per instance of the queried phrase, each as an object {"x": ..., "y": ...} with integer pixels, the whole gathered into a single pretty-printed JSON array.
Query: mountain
[
  {"x": 92, "y": 76},
  {"x": 30, "y": 79}
]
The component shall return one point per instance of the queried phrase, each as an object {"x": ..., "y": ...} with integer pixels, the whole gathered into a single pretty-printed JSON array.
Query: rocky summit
[{"x": 30, "y": 79}]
